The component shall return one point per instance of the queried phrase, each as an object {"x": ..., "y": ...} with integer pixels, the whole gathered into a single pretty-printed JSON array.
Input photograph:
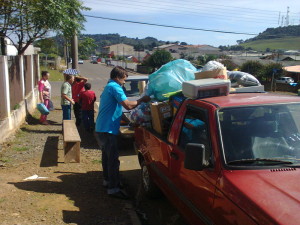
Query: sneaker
[{"x": 120, "y": 194}]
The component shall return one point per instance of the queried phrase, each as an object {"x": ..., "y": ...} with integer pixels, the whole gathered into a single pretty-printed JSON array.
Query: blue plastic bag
[
  {"x": 169, "y": 78},
  {"x": 42, "y": 108}
]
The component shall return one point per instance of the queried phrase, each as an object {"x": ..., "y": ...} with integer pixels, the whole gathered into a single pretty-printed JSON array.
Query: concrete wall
[
  {"x": 11, "y": 119},
  {"x": 126, "y": 65}
]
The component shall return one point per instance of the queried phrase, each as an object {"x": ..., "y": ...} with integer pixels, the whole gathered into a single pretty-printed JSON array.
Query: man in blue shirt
[{"x": 107, "y": 128}]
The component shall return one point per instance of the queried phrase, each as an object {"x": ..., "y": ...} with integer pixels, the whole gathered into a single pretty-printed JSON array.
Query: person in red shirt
[
  {"x": 87, "y": 100},
  {"x": 77, "y": 88}
]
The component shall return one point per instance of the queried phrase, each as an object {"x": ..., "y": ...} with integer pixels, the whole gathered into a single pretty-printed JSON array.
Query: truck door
[{"x": 197, "y": 187}]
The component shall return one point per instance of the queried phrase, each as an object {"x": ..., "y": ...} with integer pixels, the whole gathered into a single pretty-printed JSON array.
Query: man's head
[
  {"x": 119, "y": 74},
  {"x": 87, "y": 86},
  {"x": 70, "y": 78},
  {"x": 77, "y": 79}
]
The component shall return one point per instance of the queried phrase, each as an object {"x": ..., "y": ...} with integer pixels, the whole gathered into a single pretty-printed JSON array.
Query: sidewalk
[{"x": 61, "y": 193}]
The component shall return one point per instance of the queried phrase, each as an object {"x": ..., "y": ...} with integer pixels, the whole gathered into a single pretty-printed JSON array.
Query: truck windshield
[{"x": 261, "y": 135}]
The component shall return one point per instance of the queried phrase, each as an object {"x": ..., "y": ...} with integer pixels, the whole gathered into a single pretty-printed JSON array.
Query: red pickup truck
[{"x": 231, "y": 159}]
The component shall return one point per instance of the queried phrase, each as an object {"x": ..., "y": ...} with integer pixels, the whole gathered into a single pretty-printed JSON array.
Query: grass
[
  {"x": 55, "y": 75},
  {"x": 4, "y": 160},
  {"x": 21, "y": 148},
  {"x": 2, "y": 200},
  {"x": 287, "y": 43},
  {"x": 20, "y": 134}
]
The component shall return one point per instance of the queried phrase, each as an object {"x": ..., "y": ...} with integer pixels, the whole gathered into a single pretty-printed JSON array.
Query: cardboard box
[
  {"x": 218, "y": 73},
  {"x": 160, "y": 111}
]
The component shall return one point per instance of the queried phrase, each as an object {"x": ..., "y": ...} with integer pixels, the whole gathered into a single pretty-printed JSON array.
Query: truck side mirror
[{"x": 195, "y": 157}]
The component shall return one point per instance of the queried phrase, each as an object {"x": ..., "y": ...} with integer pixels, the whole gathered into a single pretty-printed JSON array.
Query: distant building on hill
[{"x": 118, "y": 50}]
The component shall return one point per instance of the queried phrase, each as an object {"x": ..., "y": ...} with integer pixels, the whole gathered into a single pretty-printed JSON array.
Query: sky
[{"x": 235, "y": 16}]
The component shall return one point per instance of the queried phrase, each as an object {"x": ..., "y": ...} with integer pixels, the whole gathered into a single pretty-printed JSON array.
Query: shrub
[
  {"x": 230, "y": 65},
  {"x": 269, "y": 69},
  {"x": 253, "y": 67}
]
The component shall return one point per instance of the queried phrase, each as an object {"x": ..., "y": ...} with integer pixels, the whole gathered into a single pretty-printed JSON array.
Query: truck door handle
[{"x": 174, "y": 155}]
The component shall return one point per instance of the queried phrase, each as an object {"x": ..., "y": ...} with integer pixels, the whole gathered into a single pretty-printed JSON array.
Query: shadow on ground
[
  {"x": 85, "y": 189},
  {"x": 50, "y": 153}
]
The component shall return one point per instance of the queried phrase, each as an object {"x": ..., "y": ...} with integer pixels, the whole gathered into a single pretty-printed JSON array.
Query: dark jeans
[
  {"x": 77, "y": 113},
  {"x": 110, "y": 160},
  {"x": 88, "y": 119},
  {"x": 66, "y": 112}
]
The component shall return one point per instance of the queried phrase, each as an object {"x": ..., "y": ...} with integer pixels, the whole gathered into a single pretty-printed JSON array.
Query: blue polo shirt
[{"x": 110, "y": 109}]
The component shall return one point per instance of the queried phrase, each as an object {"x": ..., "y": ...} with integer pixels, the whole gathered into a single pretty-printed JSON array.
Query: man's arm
[
  {"x": 82, "y": 79},
  {"x": 67, "y": 98},
  {"x": 132, "y": 104}
]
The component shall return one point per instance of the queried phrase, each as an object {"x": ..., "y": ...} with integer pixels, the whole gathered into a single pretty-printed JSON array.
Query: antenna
[
  {"x": 282, "y": 18},
  {"x": 287, "y": 16}
]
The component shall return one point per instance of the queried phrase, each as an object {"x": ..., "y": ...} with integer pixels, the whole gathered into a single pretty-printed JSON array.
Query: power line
[
  {"x": 203, "y": 14},
  {"x": 169, "y": 26}
]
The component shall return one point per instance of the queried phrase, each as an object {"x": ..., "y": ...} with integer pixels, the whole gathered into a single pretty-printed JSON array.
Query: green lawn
[
  {"x": 288, "y": 43},
  {"x": 55, "y": 75}
]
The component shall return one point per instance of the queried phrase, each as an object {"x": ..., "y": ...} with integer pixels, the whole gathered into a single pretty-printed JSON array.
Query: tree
[
  {"x": 239, "y": 41},
  {"x": 159, "y": 58},
  {"x": 47, "y": 45},
  {"x": 183, "y": 43},
  {"x": 25, "y": 21},
  {"x": 86, "y": 46}
]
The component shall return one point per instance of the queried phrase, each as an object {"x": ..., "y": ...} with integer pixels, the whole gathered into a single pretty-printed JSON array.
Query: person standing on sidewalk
[
  {"x": 66, "y": 97},
  {"x": 87, "y": 100},
  {"x": 77, "y": 88},
  {"x": 107, "y": 128},
  {"x": 44, "y": 88}
]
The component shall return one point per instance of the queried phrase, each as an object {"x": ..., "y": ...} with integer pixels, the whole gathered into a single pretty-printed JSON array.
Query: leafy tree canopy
[
  {"x": 159, "y": 58},
  {"x": 24, "y": 21}
]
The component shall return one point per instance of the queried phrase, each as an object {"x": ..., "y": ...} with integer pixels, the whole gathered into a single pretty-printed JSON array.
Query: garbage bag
[
  {"x": 212, "y": 65},
  {"x": 169, "y": 78},
  {"x": 241, "y": 78},
  {"x": 212, "y": 69},
  {"x": 141, "y": 114}
]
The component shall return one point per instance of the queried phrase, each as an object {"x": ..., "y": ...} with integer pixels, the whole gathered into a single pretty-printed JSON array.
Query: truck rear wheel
[{"x": 149, "y": 187}]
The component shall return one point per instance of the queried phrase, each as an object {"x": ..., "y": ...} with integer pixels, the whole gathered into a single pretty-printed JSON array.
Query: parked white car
[
  {"x": 80, "y": 61},
  {"x": 285, "y": 80}
]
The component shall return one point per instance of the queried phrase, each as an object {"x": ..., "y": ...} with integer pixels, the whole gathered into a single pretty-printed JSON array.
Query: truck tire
[{"x": 149, "y": 187}]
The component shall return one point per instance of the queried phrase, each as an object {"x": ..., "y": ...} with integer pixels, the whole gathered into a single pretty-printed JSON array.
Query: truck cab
[{"x": 228, "y": 159}]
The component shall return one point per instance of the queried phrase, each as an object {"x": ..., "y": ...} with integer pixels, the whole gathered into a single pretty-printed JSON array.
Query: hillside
[
  {"x": 286, "y": 43},
  {"x": 109, "y": 39},
  {"x": 280, "y": 38}
]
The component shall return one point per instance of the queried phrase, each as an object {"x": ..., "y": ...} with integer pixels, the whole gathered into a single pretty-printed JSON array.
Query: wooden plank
[
  {"x": 70, "y": 131},
  {"x": 71, "y": 141},
  {"x": 72, "y": 151}
]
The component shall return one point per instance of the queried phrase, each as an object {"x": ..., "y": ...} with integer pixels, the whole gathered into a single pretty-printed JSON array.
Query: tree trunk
[{"x": 3, "y": 45}]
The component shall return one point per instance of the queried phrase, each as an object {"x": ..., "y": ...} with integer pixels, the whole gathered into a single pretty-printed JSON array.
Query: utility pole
[{"x": 74, "y": 51}]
